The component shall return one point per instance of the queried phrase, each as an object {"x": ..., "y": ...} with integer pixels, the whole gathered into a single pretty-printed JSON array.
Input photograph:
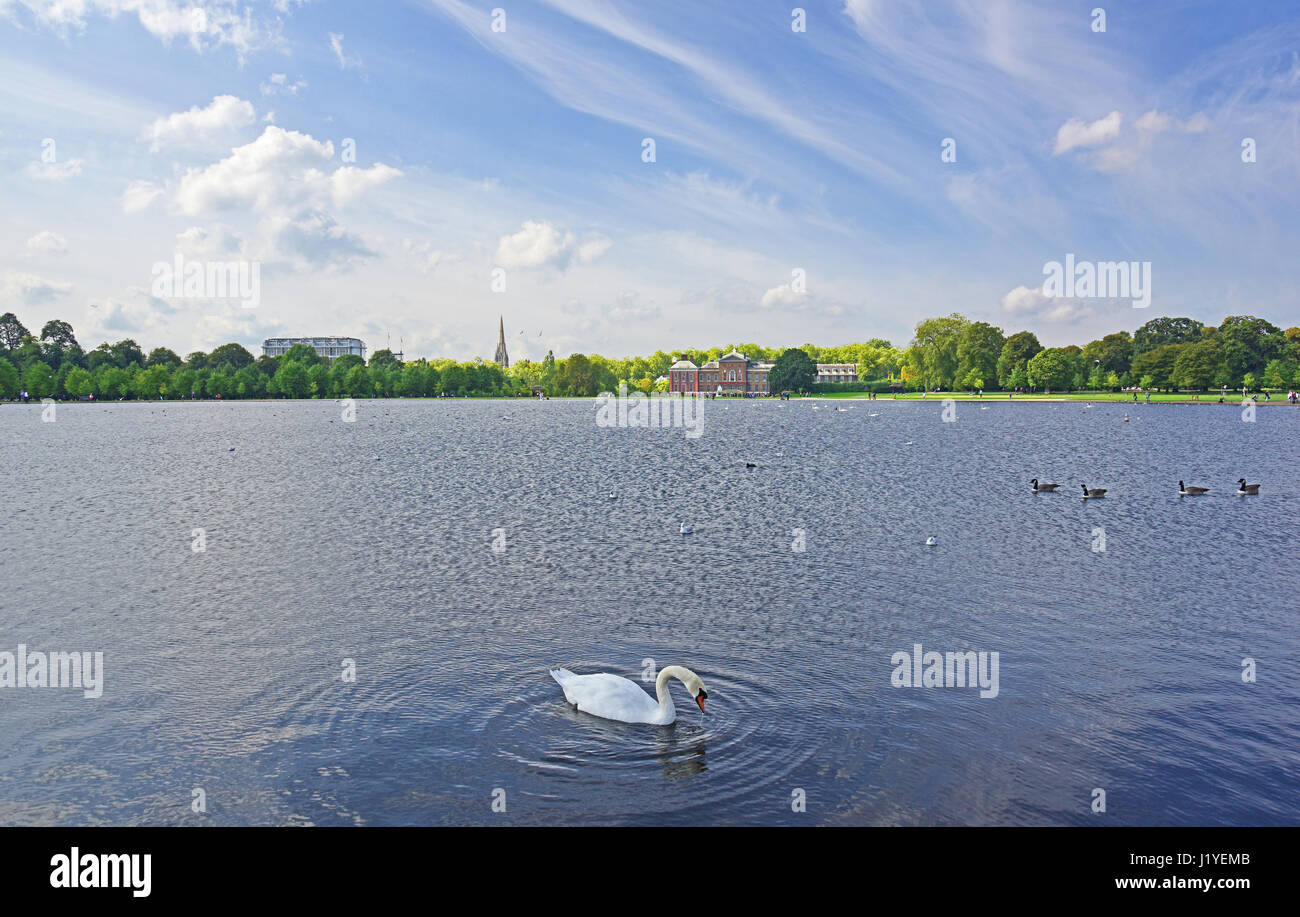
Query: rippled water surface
[{"x": 372, "y": 541}]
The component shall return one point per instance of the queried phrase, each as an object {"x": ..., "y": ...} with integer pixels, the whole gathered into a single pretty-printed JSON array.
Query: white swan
[{"x": 613, "y": 697}]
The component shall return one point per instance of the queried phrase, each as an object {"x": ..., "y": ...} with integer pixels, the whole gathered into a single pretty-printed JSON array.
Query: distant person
[
  {"x": 1148, "y": 397},
  {"x": 1266, "y": 396}
]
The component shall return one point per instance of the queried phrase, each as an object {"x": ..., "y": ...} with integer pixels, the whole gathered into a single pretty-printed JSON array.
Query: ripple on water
[{"x": 738, "y": 750}]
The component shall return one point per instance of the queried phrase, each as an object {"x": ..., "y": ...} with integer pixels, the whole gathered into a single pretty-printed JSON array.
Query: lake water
[{"x": 373, "y": 541}]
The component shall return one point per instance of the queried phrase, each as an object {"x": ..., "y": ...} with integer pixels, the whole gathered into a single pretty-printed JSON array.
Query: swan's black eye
[{"x": 704, "y": 694}]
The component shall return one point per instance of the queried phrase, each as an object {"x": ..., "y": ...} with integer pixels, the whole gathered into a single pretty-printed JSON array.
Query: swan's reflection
[
  {"x": 680, "y": 749},
  {"x": 678, "y": 760}
]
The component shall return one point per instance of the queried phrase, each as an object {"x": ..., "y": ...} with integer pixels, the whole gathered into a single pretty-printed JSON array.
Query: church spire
[{"x": 502, "y": 358}]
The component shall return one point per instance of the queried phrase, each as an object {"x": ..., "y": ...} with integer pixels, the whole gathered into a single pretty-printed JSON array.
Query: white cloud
[
  {"x": 345, "y": 62},
  {"x": 278, "y": 84},
  {"x": 31, "y": 290},
  {"x": 1077, "y": 133},
  {"x": 1023, "y": 299},
  {"x": 54, "y": 171},
  {"x": 139, "y": 195},
  {"x": 204, "y": 23},
  {"x": 541, "y": 244},
  {"x": 1155, "y": 122},
  {"x": 783, "y": 295},
  {"x": 222, "y": 116},
  {"x": 47, "y": 243},
  {"x": 1034, "y": 302},
  {"x": 279, "y": 170}
]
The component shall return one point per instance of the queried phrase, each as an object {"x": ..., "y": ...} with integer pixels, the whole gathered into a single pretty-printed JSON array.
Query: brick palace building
[{"x": 735, "y": 374}]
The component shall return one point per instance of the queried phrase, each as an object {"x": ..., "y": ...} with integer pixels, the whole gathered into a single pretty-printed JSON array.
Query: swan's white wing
[{"x": 609, "y": 696}]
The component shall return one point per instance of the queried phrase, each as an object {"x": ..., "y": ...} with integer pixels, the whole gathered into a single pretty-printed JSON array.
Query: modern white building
[{"x": 326, "y": 347}]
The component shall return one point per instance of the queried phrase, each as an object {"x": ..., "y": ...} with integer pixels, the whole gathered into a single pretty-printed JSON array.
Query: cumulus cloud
[
  {"x": 47, "y": 243},
  {"x": 280, "y": 169},
  {"x": 221, "y": 117},
  {"x": 139, "y": 195},
  {"x": 783, "y": 295},
  {"x": 1077, "y": 133},
  {"x": 1034, "y": 302},
  {"x": 541, "y": 244},
  {"x": 30, "y": 290}
]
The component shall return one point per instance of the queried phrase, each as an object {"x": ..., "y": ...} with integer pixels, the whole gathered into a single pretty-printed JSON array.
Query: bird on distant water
[
  {"x": 1095, "y": 494},
  {"x": 1191, "y": 491},
  {"x": 1043, "y": 488},
  {"x": 1247, "y": 490}
]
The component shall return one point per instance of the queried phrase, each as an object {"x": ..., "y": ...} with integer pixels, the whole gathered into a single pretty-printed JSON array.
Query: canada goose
[
  {"x": 1043, "y": 488},
  {"x": 1247, "y": 490},
  {"x": 1094, "y": 494},
  {"x": 1191, "y": 491},
  {"x": 750, "y": 465}
]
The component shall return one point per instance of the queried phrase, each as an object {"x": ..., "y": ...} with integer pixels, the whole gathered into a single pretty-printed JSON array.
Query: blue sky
[{"x": 217, "y": 129}]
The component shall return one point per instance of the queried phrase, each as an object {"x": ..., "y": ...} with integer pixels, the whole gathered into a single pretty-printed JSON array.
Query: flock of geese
[{"x": 1096, "y": 493}]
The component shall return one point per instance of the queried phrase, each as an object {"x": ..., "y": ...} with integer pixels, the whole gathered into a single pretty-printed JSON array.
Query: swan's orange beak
[{"x": 699, "y": 699}]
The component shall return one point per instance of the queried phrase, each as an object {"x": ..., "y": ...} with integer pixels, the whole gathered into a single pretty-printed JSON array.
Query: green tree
[
  {"x": 935, "y": 346},
  {"x": 111, "y": 381},
  {"x": 358, "y": 383},
  {"x": 183, "y": 383},
  {"x": 793, "y": 371},
  {"x": 249, "y": 382},
  {"x": 1113, "y": 353},
  {"x": 979, "y": 345},
  {"x": 232, "y": 355},
  {"x": 38, "y": 380},
  {"x": 12, "y": 332},
  {"x": 163, "y": 356},
  {"x": 302, "y": 353},
  {"x": 318, "y": 380},
  {"x": 382, "y": 357},
  {"x": 1197, "y": 365},
  {"x": 292, "y": 379},
  {"x": 1160, "y": 332},
  {"x": 1279, "y": 373},
  {"x": 78, "y": 383},
  {"x": 150, "y": 382},
  {"x": 1158, "y": 364},
  {"x": 126, "y": 352},
  {"x": 1018, "y": 350},
  {"x": 8, "y": 379},
  {"x": 578, "y": 377},
  {"x": 1054, "y": 368},
  {"x": 1249, "y": 343}
]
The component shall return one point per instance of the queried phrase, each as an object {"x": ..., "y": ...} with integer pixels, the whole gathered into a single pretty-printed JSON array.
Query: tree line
[
  {"x": 946, "y": 353},
  {"x": 954, "y": 353}
]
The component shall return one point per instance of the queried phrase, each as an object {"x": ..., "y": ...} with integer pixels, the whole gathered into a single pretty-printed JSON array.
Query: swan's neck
[{"x": 667, "y": 674}]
